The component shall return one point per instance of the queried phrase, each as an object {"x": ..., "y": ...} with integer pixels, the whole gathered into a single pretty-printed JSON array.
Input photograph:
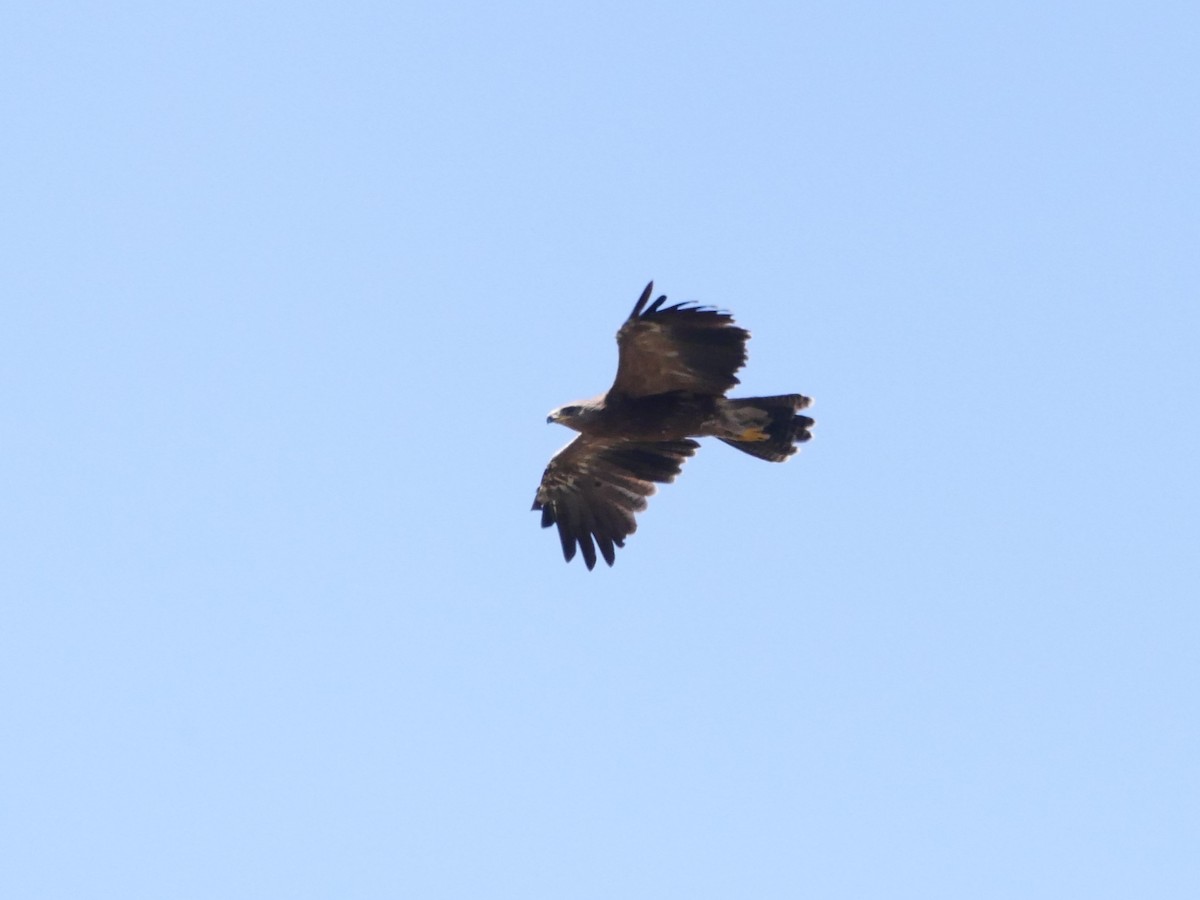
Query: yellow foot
[{"x": 753, "y": 434}]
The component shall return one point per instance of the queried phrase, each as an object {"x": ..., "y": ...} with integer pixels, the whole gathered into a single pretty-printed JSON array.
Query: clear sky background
[{"x": 288, "y": 290}]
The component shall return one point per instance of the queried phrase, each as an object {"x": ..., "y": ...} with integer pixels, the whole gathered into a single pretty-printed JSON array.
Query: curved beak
[{"x": 550, "y": 419}]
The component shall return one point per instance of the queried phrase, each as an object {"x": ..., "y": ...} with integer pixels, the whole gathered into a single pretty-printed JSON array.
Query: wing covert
[
  {"x": 593, "y": 489},
  {"x": 683, "y": 347}
]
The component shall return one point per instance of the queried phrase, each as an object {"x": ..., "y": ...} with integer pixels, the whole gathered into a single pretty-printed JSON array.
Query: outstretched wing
[
  {"x": 593, "y": 488},
  {"x": 677, "y": 348}
]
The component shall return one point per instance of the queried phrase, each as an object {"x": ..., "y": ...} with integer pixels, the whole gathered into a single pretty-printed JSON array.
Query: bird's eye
[{"x": 571, "y": 411}]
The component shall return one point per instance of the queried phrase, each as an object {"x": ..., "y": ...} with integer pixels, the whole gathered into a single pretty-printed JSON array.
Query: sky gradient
[{"x": 289, "y": 291}]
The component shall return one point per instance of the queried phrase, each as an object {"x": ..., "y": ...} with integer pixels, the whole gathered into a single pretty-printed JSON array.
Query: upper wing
[
  {"x": 677, "y": 348},
  {"x": 593, "y": 488}
]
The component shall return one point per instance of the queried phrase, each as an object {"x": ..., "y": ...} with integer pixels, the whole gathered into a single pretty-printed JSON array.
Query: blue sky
[{"x": 289, "y": 290}]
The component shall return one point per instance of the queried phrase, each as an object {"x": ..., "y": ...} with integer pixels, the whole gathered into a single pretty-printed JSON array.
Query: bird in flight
[{"x": 675, "y": 365}]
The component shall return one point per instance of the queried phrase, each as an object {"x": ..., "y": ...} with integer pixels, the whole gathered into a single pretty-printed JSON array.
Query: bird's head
[{"x": 575, "y": 415}]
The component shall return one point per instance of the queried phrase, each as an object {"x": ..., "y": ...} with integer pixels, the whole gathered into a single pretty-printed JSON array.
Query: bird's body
[
  {"x": 659, "y": 417},
  {"x": 676, "y": 364}
]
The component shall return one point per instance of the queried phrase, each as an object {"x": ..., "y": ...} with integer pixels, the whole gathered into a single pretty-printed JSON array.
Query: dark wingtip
[{"x": 640, "y": 305}]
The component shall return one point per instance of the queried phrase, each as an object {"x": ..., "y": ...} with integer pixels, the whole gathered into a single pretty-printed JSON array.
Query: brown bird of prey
[{"x": 676, "y": 363}]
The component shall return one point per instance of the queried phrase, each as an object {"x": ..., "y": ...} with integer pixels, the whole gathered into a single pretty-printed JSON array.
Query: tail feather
[{"x": 776, "y": 418}]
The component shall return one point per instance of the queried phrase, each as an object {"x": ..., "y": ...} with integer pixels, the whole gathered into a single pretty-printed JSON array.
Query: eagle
[{"x": 675, "y": 366}]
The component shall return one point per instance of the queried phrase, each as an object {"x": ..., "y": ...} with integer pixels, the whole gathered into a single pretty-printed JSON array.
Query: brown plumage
[{"x": 676, "y": 363}]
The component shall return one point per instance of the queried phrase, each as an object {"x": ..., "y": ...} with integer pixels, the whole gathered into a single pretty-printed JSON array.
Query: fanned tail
[{"x": 772, "y": 426}]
